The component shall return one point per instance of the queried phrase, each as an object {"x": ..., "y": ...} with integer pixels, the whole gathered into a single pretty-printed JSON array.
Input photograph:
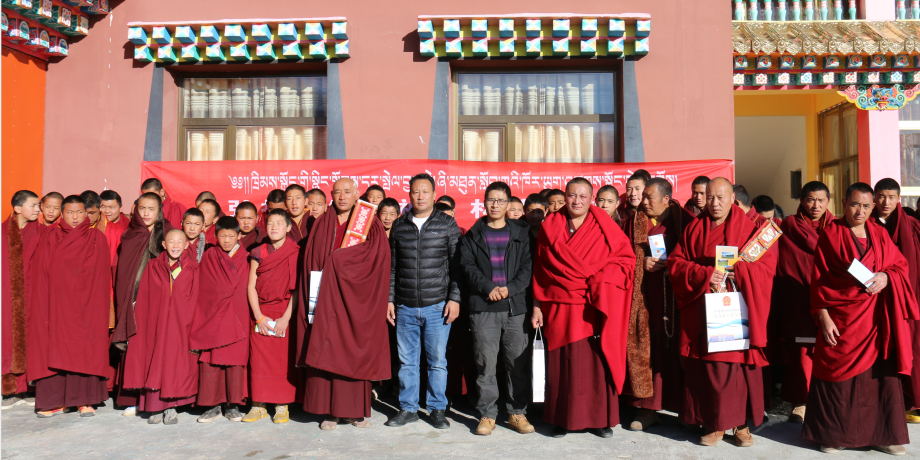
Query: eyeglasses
[{"x": 496, "y": 200}]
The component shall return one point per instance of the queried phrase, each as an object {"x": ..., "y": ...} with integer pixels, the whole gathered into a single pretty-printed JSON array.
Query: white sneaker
[{"x": 129, "y": 412}]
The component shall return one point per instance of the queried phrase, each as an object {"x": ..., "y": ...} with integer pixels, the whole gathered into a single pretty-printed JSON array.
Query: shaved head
[
  {"x": 175, "y": 231},
  {"x": 345, "y": 180},
  {"x": 344, "y": 194},
  {"x": 719, "y": 198}
]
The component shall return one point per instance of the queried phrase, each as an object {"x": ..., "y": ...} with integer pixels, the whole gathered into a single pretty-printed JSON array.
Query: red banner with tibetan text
[{"x": 233, "y": 182}]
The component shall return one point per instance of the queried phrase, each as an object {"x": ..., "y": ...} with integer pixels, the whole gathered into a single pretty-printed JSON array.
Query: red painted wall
[
  {"x": 97, "y": 122},
  {"x": 23, "y": 124}
]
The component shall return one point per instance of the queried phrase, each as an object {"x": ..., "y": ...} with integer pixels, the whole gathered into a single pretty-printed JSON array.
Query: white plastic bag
[{"x": 539, "y": 368}]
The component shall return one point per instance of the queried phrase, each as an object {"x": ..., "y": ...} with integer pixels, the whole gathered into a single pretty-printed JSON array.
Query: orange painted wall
[{"x": 23, "y": 110}]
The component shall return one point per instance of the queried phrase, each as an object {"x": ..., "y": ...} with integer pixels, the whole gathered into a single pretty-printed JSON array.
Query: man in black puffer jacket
[{"x": 424, "y": 299}]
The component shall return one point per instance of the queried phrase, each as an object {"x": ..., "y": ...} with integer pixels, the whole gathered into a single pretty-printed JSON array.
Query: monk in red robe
[
  {"x": 275, "y": 200},
  {"x": 723, "y": 389},
  {"x": 141, "y": 243},
  {"x": 158, "y": 363},
  {"x": 93, "y": 202},
  {"x": 583, "y": 276},
  {"x": 251, "y": 234},
  {"x": 19, "y": 237},
  {"x": 212, "y": 212},
  {"x": 68, "y": 323},
  {"x": 193, "y": 227},
  {"x": 697, "y": 202},
  {"x": 316, "y": 203},
  {"x": 904, "y": 231},
  {"x": 654, "y": 380},
  {"x": 220, "y": 329},
  {"x": 51, "y": 208},
  {"x": 112, "y": 224},
  {"x": 743, "y": 201},
  {"x": 172, "y": 210},
  {"x": 272, "y": 280},
  {"x": 856, "y": 398},
  {"x": 633, "y": 197},
  {"x": 296, "y": 197},
  {"x": 347, "y": 344},
  {"x": 791, "y": 298}
]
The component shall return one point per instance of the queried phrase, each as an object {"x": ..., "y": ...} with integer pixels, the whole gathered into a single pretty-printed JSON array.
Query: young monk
[
  {"x": 205, "y": 195},
  {"x": 251, "y": 234},
  {"x": 113, "y": 223},
  {"x": 791, "y": 295},
  {"x": 220, "y": 329},
  {"x": 555, "y": 201},
  {"x": 193, "y": 226},
  {"x": 158, "y": 362},
  {"x": 211, "y": 211},
  {"x": 141, "y": 243},
  {"x": 634, "y": 187},
  {"x": 608, "y": 199},
  {"x": 274, "y": 200},
  {"x": 172, "y": 210},
  {"x": 93, "y": 203},
  {"x": 697, "y": 202},
  {"x": 19, "y": 236},
  {"x": 653, "y": 356},
  {"x": 583, "y": 275},
  {"x": 743, "y": 201},
  {"x": 388, "y": 212},
  {"x": 316, "y": 202},
  {"x": 515, "y": 208},
  {"x": 904, "y": 231},
  {"x": 296, "y": 201},
  {"x": 374, "y": 194},
  {"x": 51, "y": 208},
  {"x": 856, "y": 399},
  {"x": 723, "y": 389},
  {"x": 272, "y": 280},
  {"x": 347, "y": 345},
  {"x": 68, "y": 323}
]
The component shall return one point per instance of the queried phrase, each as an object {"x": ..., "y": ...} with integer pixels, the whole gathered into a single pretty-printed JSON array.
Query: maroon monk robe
[
  {"x": 210, "y": 235},
  {"x": 173, "y": 212},
  {"x": 300, "y": 232},
  {"x": 251, "y": 240},
  {"x": 68, "y": 321},
  {"x": 756, "y": 217},
  {"x": 347, "y": 345},
  {"x": 138, "y": 247},
  {"x": 721, "y": 390},
  {"x": 904, "y": 231},
  {"x": 791, "y": 315},
  {"x": 272, "y": 375},
  {"x": 855, "y": 398},
  {"x": 158, "y": 361},
  {"x": 197, "y": 247},
  {"x": 113, "y": 232},
  {"x": 17, "y": 247},
  {"x": 654, "y": 379},
  {"x": 220, "y": 329},
  {"x": 584, "y": 282},
  {"x": 690, "y": 206}
]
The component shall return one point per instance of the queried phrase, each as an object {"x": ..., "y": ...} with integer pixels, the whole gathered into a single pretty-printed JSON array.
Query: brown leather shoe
[
  {"x": 797, "y": 415},
  {"x": 711, "y": 438},
  {"x": 519, "y": 423},
  {"x": 743, "y": 436},
  {"x": 644, "y": 419},
  {"x": 486, "y": 425}
]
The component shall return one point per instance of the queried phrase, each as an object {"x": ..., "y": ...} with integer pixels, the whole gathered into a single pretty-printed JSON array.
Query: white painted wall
[{"x": 766, "y": 150}]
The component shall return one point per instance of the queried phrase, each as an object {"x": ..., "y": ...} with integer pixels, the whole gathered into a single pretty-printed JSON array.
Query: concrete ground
[{"x": 109, "y": 435}]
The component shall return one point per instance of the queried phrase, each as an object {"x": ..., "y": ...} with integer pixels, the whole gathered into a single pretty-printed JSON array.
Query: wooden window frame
[
  {"x": 509, "y": 122},
  {"x": 839, "y": 162},
  {"x": 231, "y": 124}
]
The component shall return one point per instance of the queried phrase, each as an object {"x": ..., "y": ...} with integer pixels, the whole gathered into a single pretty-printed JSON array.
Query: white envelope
[
  {"x": 862, "y": 274},
  {"x": 315, "y": 278}
]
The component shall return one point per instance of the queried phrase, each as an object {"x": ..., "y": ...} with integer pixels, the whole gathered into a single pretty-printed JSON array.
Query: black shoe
[
  {"x": 402, "y": 418},
  {"x": 559, "y": 432},
  {"x": 601, "y": 432},
  {"x": 439, "y": 420}
]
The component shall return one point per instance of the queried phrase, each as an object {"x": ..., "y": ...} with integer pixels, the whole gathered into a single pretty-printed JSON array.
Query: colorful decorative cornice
[
  {"x": 826, "y": 37},
  {"x": 880, "y": 97},
  {"x": 242, "y": 40},
  {"x": 40, "y": 27},
  {"x": 534, "y": 35}
]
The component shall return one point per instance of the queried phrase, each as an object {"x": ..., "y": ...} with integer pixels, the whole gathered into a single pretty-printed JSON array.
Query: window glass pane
[
  {"x": 849, "y": 174},
  {"x": 910, "y": 111},
  {"x": 564, "y": 143},
  {"x": 910, "y": 158},
  {"x": 280, "y": 142},
  {"x": 536, "y": 94},
  {"x": 283, "y": 97},
  {"x": 829, "y": 177},
  {"x": 830, "y": 142},
  {"x": 205, "y": 144},
  {"x": 849, "y": 125},
  {"x": 483, "y": 144}
]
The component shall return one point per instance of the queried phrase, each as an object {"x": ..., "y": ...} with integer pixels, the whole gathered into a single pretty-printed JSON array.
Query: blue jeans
[{"x": 418, "y": 328}]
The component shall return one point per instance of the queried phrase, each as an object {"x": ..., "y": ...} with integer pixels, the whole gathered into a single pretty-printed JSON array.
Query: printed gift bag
[{"x": 727, "y": 324}]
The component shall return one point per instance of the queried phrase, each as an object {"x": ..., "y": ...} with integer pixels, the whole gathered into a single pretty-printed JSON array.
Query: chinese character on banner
[{"x": 478, "y": 209}]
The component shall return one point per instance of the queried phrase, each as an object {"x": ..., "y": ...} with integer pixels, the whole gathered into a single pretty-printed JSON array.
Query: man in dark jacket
[
  {"x": 425, "y": 268},
  {"x": 496, "y": 260}
]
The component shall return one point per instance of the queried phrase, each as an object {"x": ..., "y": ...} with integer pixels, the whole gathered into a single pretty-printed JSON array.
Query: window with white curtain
[
  {"x": 264, "y": 118},
  {"x": 547, "y": 117}
]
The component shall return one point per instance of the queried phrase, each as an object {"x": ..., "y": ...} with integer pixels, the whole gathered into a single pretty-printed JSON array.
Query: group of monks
[{"x": 167, "y": 306}]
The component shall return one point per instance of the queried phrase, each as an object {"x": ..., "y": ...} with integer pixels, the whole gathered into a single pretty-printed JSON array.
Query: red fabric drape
[
  {"x": 349, "y": 336},
  {"x": 158, "y": 357},
  {"x": 220, "y": 328},
  {"x": 68, "y": 325},
  {"x": 173, "y": 212},
  {"x": 585, "y": 282},
  {"x": 869, "y": 325},
  {"x": 252, "y": 239},
  {"x": 756, "y": 217},
  {"x": 691, "y": 267}
]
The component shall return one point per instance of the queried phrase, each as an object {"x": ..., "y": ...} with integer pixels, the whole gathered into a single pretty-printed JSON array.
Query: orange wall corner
[{"x": 23, "y": 128}]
